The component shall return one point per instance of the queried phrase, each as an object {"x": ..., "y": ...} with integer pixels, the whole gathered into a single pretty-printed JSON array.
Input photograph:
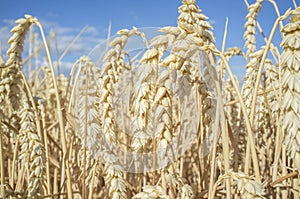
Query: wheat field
[{"x": 170, "y": 120}]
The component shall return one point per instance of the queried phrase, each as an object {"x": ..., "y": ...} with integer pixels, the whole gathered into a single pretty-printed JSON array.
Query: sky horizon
[{"x": 67, "y": 21}]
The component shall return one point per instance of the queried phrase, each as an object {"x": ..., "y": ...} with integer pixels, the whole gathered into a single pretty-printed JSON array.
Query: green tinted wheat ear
[
  {"x": 32, "y": 151},
  {"x": 290, "y": 60}
]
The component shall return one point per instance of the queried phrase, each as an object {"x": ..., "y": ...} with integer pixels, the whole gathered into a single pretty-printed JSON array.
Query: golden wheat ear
[
  {"x": 11, "y": 83},
  {"x": 290, "y": 60},
  {"x": 32, "y": 152}
]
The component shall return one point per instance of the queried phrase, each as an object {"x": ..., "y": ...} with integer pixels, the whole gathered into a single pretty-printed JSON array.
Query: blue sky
[{"x": 66, "y": 18}]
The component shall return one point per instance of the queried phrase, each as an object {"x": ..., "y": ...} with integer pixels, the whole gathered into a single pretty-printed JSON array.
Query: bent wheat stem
[{"x": 60, "y": 118}]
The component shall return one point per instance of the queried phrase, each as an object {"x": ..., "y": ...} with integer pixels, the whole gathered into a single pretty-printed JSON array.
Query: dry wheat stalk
[
  {"x": 233, "y": 114},
  {"x": 32, "y": 151},
  {"x": 171, "y": 91},
  {"x": 290, "y": 58},
  {"x": 263, "y": 133},
  {"x": 93, "y": 179}
]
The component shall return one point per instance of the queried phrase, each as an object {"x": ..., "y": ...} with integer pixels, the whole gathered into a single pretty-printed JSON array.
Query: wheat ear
[
  {"x": 32, "y": 151},
  {"x": 290, "y": 79},
  {"x": 149, "y": 191},
  {"x": 10, "y": 84},
  {"x": 250, "y": 26}
]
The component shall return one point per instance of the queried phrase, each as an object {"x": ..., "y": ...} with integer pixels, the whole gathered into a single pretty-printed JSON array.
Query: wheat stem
[
  {"x": 2, "y": 175},
  {"x": 244, "y": 111},
  {"x": 223, "y": 47},
  {"x": 44, "y": 129},
  {"x": 295, "y": 4},
  {"x": 60, "y": 117},
  {"x": 277, "y": 12},
  {"x": 70, "y": 45},
  {"x": 262, "y": 62},
  {"x": 91, "y": 190}
]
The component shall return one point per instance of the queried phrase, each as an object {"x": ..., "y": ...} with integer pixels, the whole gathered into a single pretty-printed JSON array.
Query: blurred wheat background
[{"x": 169, "y": 119}]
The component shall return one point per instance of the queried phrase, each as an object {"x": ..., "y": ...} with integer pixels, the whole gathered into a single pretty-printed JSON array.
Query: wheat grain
[{"x": 151, "y": 192}]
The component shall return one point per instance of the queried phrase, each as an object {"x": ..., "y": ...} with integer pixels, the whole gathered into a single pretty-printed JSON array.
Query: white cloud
[
  {"x": 9, "y": 22},
  {"x": 212, "y": 21},
  {"x": 92, "y": 30},
  {"x": 64, "y": 36},
  {"x": 52, "y": 14},
  {"x": 4, "y": 36}
]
